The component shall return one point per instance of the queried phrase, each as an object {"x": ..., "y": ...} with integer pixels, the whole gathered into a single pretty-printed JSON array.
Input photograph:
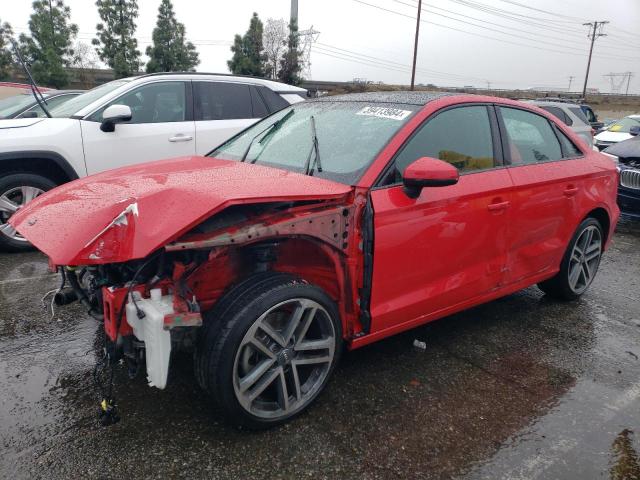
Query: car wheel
[
  {"x": 276, "y": 346},
  {"x": 16, "y": 190},
  {"x": 579, "y": 264}
]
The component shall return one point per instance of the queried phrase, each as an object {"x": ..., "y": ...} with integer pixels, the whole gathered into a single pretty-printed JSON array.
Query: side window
[
  {"x": 559, "y": 113},
  {"x": 222, "y": 101},
  {"x": 460, "y": 136},
  {"x": 568, "y": 147},
  {"x": 274, "y": 101},
  {"x": 159, "y": 102},
  {"x": 530, "y": 136},
  {"x": 259, "y": 107}
]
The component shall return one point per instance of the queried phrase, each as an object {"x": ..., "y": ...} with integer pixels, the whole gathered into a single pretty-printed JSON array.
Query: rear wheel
[
  {"x": 579, "y": 264},
  {"x": 274, "y": 351},
  {"x": 16, "y": 190}
]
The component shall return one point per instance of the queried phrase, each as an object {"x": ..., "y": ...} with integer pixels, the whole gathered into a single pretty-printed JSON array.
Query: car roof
[
  {"x": 419, "y": 98},
  {"x": 552, "y": 103},
  {"x": 278, "y": 87}
]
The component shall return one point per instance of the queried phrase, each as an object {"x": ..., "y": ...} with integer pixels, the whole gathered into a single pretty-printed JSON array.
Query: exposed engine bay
[{"x": 152, "y": 306}]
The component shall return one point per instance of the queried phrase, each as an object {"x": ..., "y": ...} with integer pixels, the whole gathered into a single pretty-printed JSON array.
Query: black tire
[
  {"x": 559, "y": 286},
  {"x": 9, "y": 184},
  {"x": 229, "y": 323}
]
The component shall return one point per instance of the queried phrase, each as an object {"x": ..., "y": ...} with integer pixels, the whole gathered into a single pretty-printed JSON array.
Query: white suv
[{"x": 127, "y": 121}]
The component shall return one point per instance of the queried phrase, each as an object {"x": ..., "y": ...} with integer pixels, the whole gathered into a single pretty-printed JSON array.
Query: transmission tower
[
  {"x": 618, "y": 80},
  {"x": 307, "y": 38}
]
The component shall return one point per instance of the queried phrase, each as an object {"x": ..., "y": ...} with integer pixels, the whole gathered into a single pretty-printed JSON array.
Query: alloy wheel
[
  {"x": 585, "y": 259},
  {"x": 10, "y": 202},
  {"x": 284, "y": 359}
]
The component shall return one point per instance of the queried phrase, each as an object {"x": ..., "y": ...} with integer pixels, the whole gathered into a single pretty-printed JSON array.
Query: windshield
[
  {"x": 78, "y": 103},
  {"x": 624, "y": 125},
  {"x": 333, "y": 140},
  {"x": 11, "y": 105}
]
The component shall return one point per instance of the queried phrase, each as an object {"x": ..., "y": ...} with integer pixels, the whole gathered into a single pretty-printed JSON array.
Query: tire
[
  {"x": 268, "y": 349},
  {"x": 16, "y": 190},
  {"x": 579, "y": 264}
]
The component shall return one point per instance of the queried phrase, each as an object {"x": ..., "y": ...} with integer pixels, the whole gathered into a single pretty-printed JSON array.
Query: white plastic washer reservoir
[{"x": 150, "y": 330}]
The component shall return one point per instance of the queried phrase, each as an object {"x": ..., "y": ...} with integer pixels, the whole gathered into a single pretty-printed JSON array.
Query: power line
[
  {"x": 565, "y": 52},
  {"x": 536, "y": 39}
]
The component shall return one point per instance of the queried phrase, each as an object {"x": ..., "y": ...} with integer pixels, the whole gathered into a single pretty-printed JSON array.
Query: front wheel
[
  {"x": 579, "y": 264},
  {"x": 16, "y": 190},
  {"x": 274, "y": 352}
]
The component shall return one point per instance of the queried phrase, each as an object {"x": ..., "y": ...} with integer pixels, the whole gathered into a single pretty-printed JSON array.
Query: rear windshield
[
  {"x": 577, "y": 111},
  {"x": 624, "y": 125},
  {"x": 11, "y": 105},
  {"x": 349, "y": 137}
]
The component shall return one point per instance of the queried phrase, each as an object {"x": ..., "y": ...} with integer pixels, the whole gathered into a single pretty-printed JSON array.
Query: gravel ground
[{"x": 523, "y": 387}]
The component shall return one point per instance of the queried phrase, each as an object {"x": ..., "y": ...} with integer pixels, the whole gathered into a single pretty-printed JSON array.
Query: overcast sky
[{"x": 375, "y": 41}]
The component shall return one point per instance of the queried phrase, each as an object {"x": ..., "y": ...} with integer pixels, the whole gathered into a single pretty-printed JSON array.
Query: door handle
[
  {"x": 180, "y": 138},
  {"x": 570, "y": 191},
  {"x": 498, "y": 206}
]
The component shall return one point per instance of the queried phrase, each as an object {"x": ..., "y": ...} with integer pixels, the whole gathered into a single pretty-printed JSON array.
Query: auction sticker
[{"x": 385, "y": 112}]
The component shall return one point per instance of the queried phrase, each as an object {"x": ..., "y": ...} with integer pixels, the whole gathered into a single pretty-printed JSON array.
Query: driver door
[
  {"x": 161, "y": 127},
  {"x": 448, "y": 247}
]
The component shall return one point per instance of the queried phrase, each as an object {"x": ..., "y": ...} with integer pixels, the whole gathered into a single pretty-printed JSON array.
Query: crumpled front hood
[
  {"x": 127, "y": 213},
  {"x": 19, "y": 122}
]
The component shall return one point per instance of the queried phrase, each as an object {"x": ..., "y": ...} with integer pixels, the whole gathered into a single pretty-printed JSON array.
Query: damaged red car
[{"x": 333, "y": 223}]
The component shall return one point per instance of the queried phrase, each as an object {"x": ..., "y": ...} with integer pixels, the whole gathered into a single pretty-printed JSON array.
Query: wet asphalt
[{"x": 521, "y": 388}]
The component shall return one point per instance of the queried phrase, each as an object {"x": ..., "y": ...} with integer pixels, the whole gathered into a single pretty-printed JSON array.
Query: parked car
[
  {"x": 627, "y": 155},
  {"x": 157, "y": 116},
  {"x": 571, "y": 115},
  {"x": 10, "y": 89},
  {"x": 24, "y": 105},
  {"x": 587, "y": 111},
  {"x": 617, "y": 132},
  {"x": 335, "y": 222}
]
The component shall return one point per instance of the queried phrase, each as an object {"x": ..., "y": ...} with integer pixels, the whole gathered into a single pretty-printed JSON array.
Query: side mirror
[
  {"x": 115, "y": 114},
  {"x": 635, "y": 130},
  {"x": 29, "y": 114},
  {"x": 428, "y": 172}
]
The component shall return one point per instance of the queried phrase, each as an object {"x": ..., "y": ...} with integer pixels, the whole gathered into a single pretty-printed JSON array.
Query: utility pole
[
  {"x": 595, "y": 33},
  {"x": 571, "y": 77},
  {"x": 415, "y": 46},
  {"x": 294, "y": 10}
]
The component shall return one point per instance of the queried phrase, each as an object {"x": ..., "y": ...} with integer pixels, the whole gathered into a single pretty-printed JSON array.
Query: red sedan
[{"x": 330, "y": 224}]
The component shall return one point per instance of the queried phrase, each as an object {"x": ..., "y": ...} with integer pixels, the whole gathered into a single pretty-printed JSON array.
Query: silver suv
[{"x": 571, "y": 115}]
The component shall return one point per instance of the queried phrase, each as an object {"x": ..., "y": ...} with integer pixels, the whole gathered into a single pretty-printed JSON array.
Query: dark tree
[
  {"x": 116, "y": 44},
  {"x": 290, "y": 64},
  {"x": 170, "y": 51},
  {"x": 6, "y": 57},
  {"x": 49, "y": 47},
  {"x": 248, "y": 51}
]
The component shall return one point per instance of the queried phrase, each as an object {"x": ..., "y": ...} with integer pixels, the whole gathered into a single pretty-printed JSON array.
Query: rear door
[
  {"x": 161, "y": 127},
  {"x": 447, "y": 247},
  {"x": 223, "y": 109},
  {"x": 548, "y": 173}
]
